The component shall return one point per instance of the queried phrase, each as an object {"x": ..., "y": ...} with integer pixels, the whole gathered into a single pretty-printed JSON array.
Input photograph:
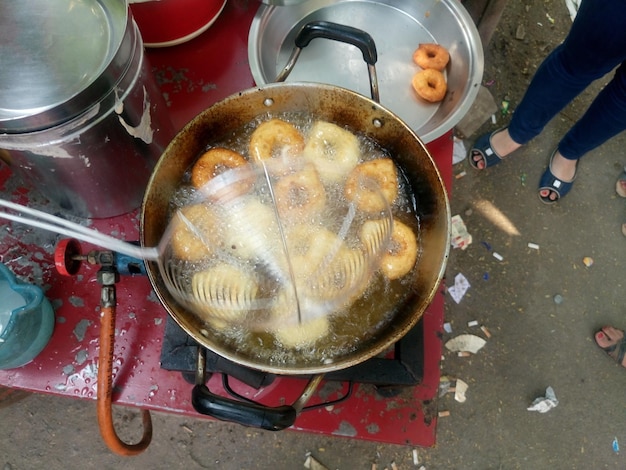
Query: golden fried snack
[
  {"x": 431, "y": 56},
  {"x": 225, "y": 292},
  {"x": 300, "y": 194},
  {"x": 275, "y": 138},
  {"x": 333, "y": 150},
  {"x": 213, "y": 163},
  {"x": 328, "y": 275},
  {"x": 430, "y": 85},
  {"x": 194, "y": 233},
  {"x": 402, "y": 253},
  {"x": 295, "y": 336},
  {"x": 368, "y": 181}
]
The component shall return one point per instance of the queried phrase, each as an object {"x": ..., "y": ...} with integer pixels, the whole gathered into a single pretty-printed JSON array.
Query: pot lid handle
[{"x": 341, "y": 33}]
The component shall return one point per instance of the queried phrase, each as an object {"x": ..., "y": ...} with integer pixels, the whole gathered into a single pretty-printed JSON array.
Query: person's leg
[
  {"x": 594, "y": 46},
  {"x": 605, "y": 118}
]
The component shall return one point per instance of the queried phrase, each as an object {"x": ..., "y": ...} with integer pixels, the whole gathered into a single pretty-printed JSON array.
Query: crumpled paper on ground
[
  {"x": 458, "y": 290},
  {"x": 545, "y": 404},
  {"x": 459, "y": 236},
  {"x": 312, "y": 464},
  {"x": 465, "y": 343},
  {"x": 460, "y": 390},
  {"x": 458, "y": 151}
]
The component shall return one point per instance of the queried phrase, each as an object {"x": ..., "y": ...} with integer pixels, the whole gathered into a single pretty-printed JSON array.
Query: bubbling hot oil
[{"x": 365, "y": 320}]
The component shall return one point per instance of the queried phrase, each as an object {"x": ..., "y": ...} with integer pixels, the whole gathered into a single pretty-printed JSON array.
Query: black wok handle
[
  {"x": 336, "y": 32},
  {"x": 248, "y": 414},
  {"x": 339, "y": 32}
]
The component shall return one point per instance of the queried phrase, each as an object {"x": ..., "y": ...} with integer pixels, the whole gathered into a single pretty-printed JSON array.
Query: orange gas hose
[{"x": 105, "y": 386}]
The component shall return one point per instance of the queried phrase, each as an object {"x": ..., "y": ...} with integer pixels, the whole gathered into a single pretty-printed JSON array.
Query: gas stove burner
[
  {"x": 180, "y": 353},
  {"x": 403, "y": 369}
]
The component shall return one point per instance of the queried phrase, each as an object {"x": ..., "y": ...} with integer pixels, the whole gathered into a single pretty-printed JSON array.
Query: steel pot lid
[{"x": 58, "y": 59}]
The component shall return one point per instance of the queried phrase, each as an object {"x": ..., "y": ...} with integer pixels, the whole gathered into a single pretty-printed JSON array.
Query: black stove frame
[{"x": 179, "y": 353}]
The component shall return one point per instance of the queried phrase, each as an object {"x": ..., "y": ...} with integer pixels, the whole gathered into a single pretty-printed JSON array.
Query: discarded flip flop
[
  {"x": 488, "y": 155},
  {"x": 620, "y": 186},
  {"x": 551, "y": 183},
  {"x": 616, "y": 351}
]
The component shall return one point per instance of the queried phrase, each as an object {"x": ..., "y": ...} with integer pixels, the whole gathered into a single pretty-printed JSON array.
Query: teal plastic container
[{"x": 26, "y": 321}]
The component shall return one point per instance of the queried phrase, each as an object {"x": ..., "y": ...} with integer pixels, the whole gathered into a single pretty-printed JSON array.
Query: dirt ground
[{"x": 536, "y": 342}]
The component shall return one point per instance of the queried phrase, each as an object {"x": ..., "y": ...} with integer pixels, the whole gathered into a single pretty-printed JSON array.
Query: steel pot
[
  {"x": 78, "y": 104},
  {"x": 348, "y": 109}
]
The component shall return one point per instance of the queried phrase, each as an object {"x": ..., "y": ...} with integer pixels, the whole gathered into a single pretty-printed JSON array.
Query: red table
[{"x": 192, "y": 76}]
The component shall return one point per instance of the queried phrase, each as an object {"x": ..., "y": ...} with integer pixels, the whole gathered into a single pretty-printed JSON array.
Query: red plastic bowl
[{"x": 165, "y": 23}]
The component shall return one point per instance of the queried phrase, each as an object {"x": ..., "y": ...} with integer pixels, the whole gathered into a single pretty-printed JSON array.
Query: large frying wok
[{"x": 348, "y": 109}]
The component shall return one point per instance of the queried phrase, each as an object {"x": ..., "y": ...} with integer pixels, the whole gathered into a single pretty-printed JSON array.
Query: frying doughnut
[
  {"x": 250, "y": 234},
  {"x": 402, "y": 253},
  {"x": 297, "y": 336},
  {"x": 370, "y": 180},
  {"x": 375, "y": 236},
  {"x": 342, "y": 281},
  {"x": 193, "y": 236},
  {"x": 225, "y": 292},
  {"x": 328, "y": 275},
  {"x": 308, "y": 245},
  {"x": 275, "y": 138},
  {"x": 222, "y": 174},
  {"x": 300, "y": 194},
  {"x": 431, "y": 56},
  {"x": 333, "y": 150},
  {"x": 430, "y": 85},
  {"x": 214, "y": 162}
]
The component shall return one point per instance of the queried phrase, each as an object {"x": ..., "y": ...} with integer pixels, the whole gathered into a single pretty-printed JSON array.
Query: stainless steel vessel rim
[
  {"x": 246, "y": 105},
  {"x": 56, "y": 66},
  {"x": 272, "y": 26}
]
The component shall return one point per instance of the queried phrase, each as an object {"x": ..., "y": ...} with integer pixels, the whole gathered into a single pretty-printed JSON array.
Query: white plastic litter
[
  {"x": 545, "y": 404},
  {"x": 466, "y": 343},
  {"x": 459, "y": 236},
  {"x": 312, "y": 464},
  {"x": 416, "y": 459},
  {"x": 458, "y": 290},
  {"x": 444, "y": 386},
  {"x": 459, "y": 153},
  {"x": 460, "y": 389}
]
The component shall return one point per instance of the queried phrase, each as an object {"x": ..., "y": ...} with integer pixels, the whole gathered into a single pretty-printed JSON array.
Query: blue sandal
[
  {"x": 483, "y": 146},
  {"x": 551, "y": 183}
]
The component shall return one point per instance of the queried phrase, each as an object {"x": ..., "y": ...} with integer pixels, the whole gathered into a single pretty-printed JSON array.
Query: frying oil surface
[{"x": 249, "y": 235}]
